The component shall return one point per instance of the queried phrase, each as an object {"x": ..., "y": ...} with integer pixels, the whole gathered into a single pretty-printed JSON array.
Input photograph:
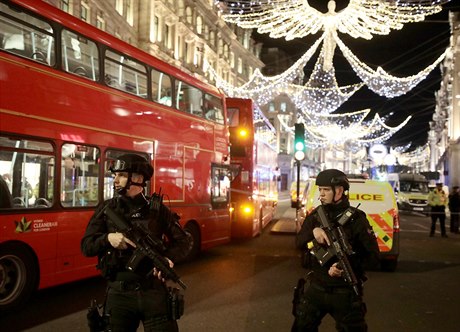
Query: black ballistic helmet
[
  {"x": 133, "y": 163},
  {"x": 332, "y": 178}
]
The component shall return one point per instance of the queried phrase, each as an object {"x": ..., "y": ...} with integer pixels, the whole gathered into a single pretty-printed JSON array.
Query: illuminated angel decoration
[
  {"x": 360, "y": 19},
  {"x": 296, "y": 18}
]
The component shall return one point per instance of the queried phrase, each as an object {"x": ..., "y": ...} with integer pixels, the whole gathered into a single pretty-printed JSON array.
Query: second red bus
[{"x": 254, "y": 189}]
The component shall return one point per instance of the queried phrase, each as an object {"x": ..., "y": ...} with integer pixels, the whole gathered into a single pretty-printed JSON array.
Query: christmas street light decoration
[
  {"x": 296, "y": 18},
  {"x": 261, "y": 88},
  {"x": 351, "y": 129},
  {"x": 382, "y": 83},
  {"x": 321, "y": 94},
  {"x": 360, "y": 19}
]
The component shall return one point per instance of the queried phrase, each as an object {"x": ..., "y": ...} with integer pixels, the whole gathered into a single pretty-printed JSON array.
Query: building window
[
  {"x": 271, "y": 107},
  {"x": 186, "y": 53},
  {"x": 189, "y": 15},
  {"x": 65, "y": 6},
  {"x": 181, "y": 8},
  {"x": 84, "y": 13},
  {"x": 206, "y": 32},
  {"x": 130, "y": 12},
  {"x": 100, "y": 22},
  {"x": 199, "y": 25},
  {"x": 119, "y": 6},
  {"x": 156, "y": 36},
  {"x": 167, "y": 35},
  {"x": 232, "y": 60},
  {"x": 240, "y": 65},
  {"x": 226, "y": 51},
  {"x": 180, "y": 47},
  {"x": 220, "y": 47},
  {"x": 212, "y": 38},
  {"x": 246, "y": 39}
]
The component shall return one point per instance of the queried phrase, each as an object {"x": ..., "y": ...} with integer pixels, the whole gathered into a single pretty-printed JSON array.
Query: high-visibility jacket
[{"x": 437, "y": 197}]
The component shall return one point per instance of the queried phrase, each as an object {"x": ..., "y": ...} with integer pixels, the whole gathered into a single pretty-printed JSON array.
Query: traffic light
[{"x": 299, "y": 141}]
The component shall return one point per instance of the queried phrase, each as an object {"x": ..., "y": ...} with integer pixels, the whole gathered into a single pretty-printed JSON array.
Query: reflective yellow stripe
[{"x": 382, "y": 225}]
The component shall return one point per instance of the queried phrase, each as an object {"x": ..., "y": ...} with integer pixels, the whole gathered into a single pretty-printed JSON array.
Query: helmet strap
[
  {"x": 129, "y": 183},
  {"x": 333, "y": 196}
]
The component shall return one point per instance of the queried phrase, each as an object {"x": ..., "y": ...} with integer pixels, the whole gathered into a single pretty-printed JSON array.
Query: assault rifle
[
  {"x": 146, "y": 246},
  {"x": 339, "y": 247}
]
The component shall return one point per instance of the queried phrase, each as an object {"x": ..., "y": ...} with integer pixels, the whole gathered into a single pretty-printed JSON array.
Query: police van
[
  {"x": 377, "y": 199},
  {"x": 411, "y": 192}
]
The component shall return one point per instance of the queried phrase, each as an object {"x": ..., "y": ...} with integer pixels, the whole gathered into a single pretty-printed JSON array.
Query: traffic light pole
[{"x": 297, "y": 206}]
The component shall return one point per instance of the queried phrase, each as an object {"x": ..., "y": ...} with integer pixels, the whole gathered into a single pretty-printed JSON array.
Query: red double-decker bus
[
  {"x": 73, "y": 98},
  {"x": 254, "y": 190}
]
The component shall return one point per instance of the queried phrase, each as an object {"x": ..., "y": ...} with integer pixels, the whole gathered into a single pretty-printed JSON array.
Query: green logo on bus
[{"x": 23, "y": 226}]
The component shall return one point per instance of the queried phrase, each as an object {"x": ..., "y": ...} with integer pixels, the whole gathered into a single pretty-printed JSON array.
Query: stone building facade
[
  {"x": 188, "y": 34},
  {"x": 444, "y": 134}
]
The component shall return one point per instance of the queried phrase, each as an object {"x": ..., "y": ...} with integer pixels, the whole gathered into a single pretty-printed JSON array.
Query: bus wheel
[
  {"x": 193, "y": 234},
  {"x": 18, "y": 276}
]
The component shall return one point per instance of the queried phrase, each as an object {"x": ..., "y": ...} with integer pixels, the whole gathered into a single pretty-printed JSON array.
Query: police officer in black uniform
[
  {"x": 134, "y": 296},
  {"x": 328, "y": 292}
]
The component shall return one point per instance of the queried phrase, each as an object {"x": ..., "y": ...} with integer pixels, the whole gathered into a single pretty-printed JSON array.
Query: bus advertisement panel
[
  {"x": 72, "y": 99},
  {"x": 254, "y": 190}
]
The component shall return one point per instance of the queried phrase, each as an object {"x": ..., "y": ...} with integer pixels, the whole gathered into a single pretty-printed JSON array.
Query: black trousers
[
  {"x": 438, "y": 212},
  {"x": 342, "y": 304},
  {"x": 128, "y": 306},
  {"x": 454, "y": 221}
]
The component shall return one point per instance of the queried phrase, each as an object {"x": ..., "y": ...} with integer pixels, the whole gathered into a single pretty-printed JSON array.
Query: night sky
[{"x": 401, "y": 53}]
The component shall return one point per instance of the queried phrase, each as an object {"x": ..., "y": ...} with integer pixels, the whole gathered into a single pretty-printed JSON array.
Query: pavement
[{"x": 286, "y": 224}]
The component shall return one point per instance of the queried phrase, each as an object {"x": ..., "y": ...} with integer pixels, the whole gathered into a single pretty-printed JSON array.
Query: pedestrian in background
[
  {"x": 437, "y": 200},
  {"x": 454, "y": 207},
  {"x": 328, "y": 292}
]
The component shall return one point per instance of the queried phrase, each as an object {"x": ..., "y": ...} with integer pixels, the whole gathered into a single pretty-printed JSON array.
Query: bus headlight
[{"x": 247, "y": 209}]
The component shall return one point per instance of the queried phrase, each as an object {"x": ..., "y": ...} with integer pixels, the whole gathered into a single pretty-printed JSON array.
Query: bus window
[
  {"x": 220, "y": 186},
  {"x": 79, "y": 175},
  {"x": 26, "y": 35},
  {"x": 161, "y": 88},
  {"x": 125, "y": 74},
  {"x": 27, "y": 169},
  {"x": 110, "y": 157},
  {"x": 79, "y": 55},
  {"x": 233, "y": 117},
  {"x": 189, "y": 99},
  {"x": 213, "y": 108}
]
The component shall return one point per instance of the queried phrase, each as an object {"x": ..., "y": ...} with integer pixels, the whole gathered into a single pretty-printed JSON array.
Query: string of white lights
[
  {"x": 382, "y": 83},
  {"x": 328, "y": 130},
  {"x": 350, "y": 127},
  {"x": 417, "y": 156},
  {"x": 263, "y": 88},
  {"x": 296, "y": 18},
  {"x": 321, "y": 94}
]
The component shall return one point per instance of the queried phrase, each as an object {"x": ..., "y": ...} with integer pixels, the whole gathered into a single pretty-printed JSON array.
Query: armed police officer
[
  {"x": 327, "y": 291},
  {"x": 140, "y": 294}
]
